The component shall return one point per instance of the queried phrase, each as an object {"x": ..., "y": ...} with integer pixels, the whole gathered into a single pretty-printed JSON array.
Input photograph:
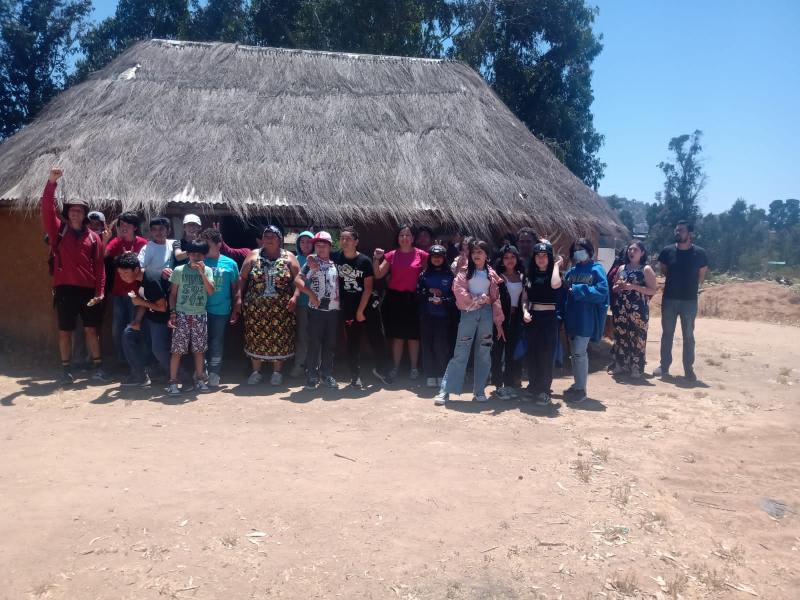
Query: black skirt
[{"x": 401, "y": 315}]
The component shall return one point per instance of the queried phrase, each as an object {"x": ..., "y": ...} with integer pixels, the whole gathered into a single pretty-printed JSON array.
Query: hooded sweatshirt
[
  {"x": 301, "y": 259},
  {"x": 436, "y": 279},
  {"x": 586, "y": 301}
]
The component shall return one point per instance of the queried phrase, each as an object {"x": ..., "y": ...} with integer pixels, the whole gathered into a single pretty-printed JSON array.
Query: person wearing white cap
[
  {"x": 319, "y": 280},
  {"x": 192, "y": 226}
]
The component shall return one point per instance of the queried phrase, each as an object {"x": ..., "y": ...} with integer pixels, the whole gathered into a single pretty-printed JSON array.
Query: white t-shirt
[
  {"x": 479, "y": 284},
  {"x": 324, "y": 282},
  {"x": 515, "y": 291},
  {"x": 154, "y": 258}
]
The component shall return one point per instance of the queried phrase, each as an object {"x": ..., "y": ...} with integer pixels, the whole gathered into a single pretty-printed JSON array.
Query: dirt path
[{"x": 648, "y": 490}]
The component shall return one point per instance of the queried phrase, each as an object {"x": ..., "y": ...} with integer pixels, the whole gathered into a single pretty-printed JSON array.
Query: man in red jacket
[{"x": 79, "y": 275}]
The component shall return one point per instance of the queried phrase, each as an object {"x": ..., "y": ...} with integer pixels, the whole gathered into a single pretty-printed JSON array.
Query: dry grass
[
  {"x": 710, "y": 577},
  {"x": 676, "y": 584},
  {"x": 733, "y": 554},
  {"x": 626, "y": 584},
  {"x": 314, "y": 137},
  {"x": 653, "y": 520},
  {"x": 621, "y": 494},
  {"x": 229, "y": 540},
  {"x": 602, "y": 454},
  {"x": 583, "y": 470}
]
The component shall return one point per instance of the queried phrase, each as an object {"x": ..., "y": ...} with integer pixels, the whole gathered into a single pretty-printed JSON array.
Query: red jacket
[{"x": 78, "y": 255}]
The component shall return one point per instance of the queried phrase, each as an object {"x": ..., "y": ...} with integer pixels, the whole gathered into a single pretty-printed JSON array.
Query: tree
[
  {"x": 133, "y": 20},
  {"x": 537, "y": 56},
  {"x": 219, "y": 20},
  {"x": 684, "y": 180},
  {"x": 37, "y": 38}
]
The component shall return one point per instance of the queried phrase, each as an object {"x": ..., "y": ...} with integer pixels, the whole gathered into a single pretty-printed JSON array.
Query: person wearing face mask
[
  {"x": 684, "y": 265},
  {"x": 585, "y": 308}
]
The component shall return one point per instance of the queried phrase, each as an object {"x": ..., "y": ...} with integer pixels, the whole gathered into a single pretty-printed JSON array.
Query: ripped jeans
[{"x": 474, "y": 330}]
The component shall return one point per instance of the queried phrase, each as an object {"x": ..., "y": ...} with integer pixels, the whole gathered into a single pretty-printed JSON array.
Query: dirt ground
[{"x": 655, "y": 490}]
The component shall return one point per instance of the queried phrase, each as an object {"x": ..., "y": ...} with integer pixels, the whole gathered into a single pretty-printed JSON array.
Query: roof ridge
[{"x": 266, "y": 49}]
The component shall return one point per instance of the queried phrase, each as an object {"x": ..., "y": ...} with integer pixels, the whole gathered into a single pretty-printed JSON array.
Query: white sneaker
[
  {"x": 255, "y": 378},
  {"x": 276, "y": 379},
  {"x": 659, "y": 372},
  {"x": 213, "y": 379},
  {"x": 413, "y": 374},
  {"x": 441, "y": 398},
  {"x": 431, "y": 382}
]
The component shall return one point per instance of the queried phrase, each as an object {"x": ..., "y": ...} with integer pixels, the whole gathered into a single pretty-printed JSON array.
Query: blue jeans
[
  {"x": 580, "y": 360},
  {"x": 474, "y": 330},
  {"x": 123, "y": 313},
  {"x": 138, "y": 345},
  {"x": 217, "y": 324},
  {"x": 670, "y": 311}
]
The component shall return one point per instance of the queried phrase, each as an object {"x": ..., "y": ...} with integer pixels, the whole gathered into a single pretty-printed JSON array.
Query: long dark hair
[
  {"x": 429, "y": 268},
  {"x": 581, "y": 243},
  {"x": 641, "y": 246},
  {"x": 499, "y": 267},
  {"x": 533, "y": 270},
  {"x": 481, "y": 245},
  {"x": 411, "y": 228}
]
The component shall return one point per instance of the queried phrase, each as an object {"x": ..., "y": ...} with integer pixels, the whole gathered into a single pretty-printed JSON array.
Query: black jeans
[
  {"x": 505, "y": 370},
  {"x": 436, "y": 346},
  {"x": 323, "y": 329},
  {"x": 542, "y": 336},
  {"x": 354, "y": 331}
]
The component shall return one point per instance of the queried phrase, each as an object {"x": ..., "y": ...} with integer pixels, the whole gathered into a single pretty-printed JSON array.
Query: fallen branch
[
  {"x": 489, "y": 549},
  {"x": 712, "y": 505},
  {"x": 344, "y": 457},
  {"x": 742, "y": 588}
]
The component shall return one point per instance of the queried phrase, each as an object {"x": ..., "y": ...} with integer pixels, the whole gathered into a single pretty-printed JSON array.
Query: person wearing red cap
[
  {"x": 79, "y": 275},
  {"x": 319, "y": 280}
]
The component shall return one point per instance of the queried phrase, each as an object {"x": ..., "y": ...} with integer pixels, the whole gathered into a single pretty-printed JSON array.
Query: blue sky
[
  {"x": 727, "y": 67},
  {"x": 730, "y": 68}
]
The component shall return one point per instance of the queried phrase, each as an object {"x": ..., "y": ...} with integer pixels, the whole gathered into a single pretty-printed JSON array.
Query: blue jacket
[
  {"x": 441, "y": 279},
  {"x": 586, "y": 301}
]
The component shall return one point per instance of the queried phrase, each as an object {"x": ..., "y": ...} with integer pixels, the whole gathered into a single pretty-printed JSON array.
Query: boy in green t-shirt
[{"x": 192, "y": 284}]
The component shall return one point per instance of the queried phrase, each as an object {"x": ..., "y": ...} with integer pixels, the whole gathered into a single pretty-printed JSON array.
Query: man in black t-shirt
[
  {"x": 684, "y": 265},
  {"x": 359, "y": 307},
  {"x": 150, "y": 321}
]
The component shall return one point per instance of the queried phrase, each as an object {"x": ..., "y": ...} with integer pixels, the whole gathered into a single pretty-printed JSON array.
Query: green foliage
[
  {"x": 537, "y": 56},
  {"x": 37, "y": 37},
  {"x": 219, "y": 20},
  {"x": 133, "y": 20},
  {"x": 684, "y": 179}
]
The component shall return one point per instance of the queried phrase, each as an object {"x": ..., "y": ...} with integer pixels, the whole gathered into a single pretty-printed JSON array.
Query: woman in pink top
[{"x": 400, "y": 307}]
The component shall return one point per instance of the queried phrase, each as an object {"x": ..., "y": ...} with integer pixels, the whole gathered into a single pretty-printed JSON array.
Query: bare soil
[{"x": 652, "y": 490}]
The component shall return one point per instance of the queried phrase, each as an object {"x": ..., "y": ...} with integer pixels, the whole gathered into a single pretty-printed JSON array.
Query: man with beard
[{"x": 684, "y": 265}]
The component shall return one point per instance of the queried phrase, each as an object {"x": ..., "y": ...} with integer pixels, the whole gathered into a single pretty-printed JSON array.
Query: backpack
[{"x": 51, "y": 257}]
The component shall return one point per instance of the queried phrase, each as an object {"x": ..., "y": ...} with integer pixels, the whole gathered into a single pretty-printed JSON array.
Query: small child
[
  {"x": 437, "y": 310},
  {"x": 192, "y": 284}
]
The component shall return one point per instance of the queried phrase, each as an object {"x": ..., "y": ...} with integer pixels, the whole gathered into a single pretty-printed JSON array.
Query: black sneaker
[
  {"x": 690, "y": 375},
  {"x": 356, "y": 383},
  {"x": 134, "y": 381},
  {"x": 312, "y": 383},
  {"x": 66, "y": 378}
]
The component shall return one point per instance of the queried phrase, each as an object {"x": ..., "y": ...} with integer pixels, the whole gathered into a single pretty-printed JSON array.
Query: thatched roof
[{"x": 331, "y": 137}]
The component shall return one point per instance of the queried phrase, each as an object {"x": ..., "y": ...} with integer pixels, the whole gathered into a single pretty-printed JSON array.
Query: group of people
[{"x": 499, "y": 309}]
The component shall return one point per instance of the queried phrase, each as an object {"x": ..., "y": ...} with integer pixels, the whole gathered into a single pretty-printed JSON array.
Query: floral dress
[
  {"x": 631, "y": 315},
  {"x": 269, "y": 327}
]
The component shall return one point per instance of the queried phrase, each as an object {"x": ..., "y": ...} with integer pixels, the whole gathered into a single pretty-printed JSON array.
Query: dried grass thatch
[{"x": 327, "y": 138}]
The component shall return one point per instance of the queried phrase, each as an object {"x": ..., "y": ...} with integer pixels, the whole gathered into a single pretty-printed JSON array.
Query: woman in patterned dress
[
  {"x": 267, "y": 287},
  {"x": 634, "y": 284}
]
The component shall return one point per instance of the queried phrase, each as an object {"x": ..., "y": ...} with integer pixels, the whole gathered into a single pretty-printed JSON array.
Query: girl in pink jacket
[{"x": 478, "y": 298}]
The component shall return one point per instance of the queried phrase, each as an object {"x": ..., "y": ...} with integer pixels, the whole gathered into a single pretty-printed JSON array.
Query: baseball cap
[
  {"x": 273, "y": 229},
  {"x": 96, "y": 215},
  {"x": 192, "y": 219},
  {"x": 438, "y": 250},
  {"x": 542, "y": 247},
  {"x": 323, "y": 236}
]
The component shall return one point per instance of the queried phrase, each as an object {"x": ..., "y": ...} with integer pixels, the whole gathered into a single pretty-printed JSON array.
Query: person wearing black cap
[
  {"x": 437, "y": 313},
  {"x": 542, "y": 287},
  {"x": 79, "y": 275}
]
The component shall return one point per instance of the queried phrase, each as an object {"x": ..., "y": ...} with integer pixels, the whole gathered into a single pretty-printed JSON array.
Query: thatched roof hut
[{"x": 313, "y": 137}]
